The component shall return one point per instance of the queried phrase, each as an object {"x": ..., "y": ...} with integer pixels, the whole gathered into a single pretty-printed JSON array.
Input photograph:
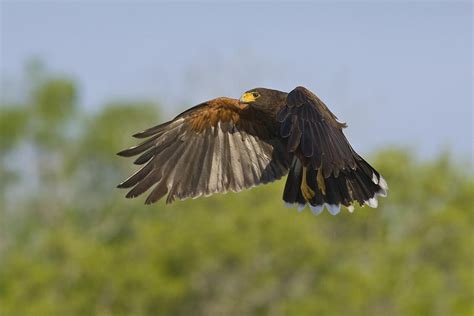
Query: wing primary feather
[
  {"x": 158, "y": 192},
  {"x": 236, "y": 166},
  {"x": 137, "y": 176},
  {"x": 158, "y": 172},
  {"x": 153, "y": 130},
  {"x": 227, "y": 178},
  {"x": 294, "y": 139},
  {"x": 263, "y": 161},
  {"x": 195, "y": 173},
  {"x": 145, "y": 184},
  {"x": 185, "y": 166},
  {"x": 306, "y": 139},
  {"x": 160, "y": 142},
  {"x": 244, "y": 160},
  {"x": 135, "y": 150},
  {"x": 203, "y": 182},
  {"x": 254, "y": 165},
  {"x": 286, "y": 127},
  {"x": 283, "y": 114},
  {"x": 203, "y": 173},
  {"x": 214, "y": 164},
  {"x": 166, "y": 182}
]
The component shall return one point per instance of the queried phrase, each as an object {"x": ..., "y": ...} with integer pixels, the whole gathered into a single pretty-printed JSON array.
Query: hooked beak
[{"x": 247, "y": 98}]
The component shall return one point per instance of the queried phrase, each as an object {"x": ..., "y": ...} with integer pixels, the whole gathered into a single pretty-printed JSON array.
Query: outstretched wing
[
  {"x": 217, "y": 146},
  {"x": 313, "y": 132}
]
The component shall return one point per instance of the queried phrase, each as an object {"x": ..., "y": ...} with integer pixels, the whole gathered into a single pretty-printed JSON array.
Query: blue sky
[{"x": 398, "y": 73}]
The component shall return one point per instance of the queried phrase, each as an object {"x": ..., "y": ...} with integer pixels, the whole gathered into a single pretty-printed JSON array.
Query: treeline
[{"x": 71, "y": 244}]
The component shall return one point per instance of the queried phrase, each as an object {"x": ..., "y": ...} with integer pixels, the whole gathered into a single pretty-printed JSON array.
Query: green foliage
[
  {"x": 103, "y": 135},
  {"x": 110, "y": 129},
  {"x": 13, "y": 123},
  {"x": 55, "y": 100},
  {"x": 53, "y": 103},
  {"x": 233, "y": 254}
]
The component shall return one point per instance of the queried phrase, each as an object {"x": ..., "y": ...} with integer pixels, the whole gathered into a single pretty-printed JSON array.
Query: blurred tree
[
  {"x": 53, "y": 104},
  {"x": 101, "y": 136},
  {"x": 52, "y": 108},
  {"x": 13, "y": 123},
  {"x": 229, "y": 254},
  {"x": 245, "y": 254}
]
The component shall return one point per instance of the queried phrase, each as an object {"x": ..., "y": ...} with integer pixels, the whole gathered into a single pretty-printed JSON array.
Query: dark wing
[
  {"x": 314, "y": 133},
  {"x": 217, "y": 146},
  {"x": 336, "y": 174}
]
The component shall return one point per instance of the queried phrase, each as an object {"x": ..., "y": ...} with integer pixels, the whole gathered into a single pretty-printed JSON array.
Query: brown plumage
[{"x": 229, "y": 145}]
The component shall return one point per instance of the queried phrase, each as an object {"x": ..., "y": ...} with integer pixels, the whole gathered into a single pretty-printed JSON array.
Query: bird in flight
[{"x": 227, "y": 144}]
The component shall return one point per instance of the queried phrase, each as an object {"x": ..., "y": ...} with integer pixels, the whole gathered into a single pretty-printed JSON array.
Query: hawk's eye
[{"x": 255, "y": 94}]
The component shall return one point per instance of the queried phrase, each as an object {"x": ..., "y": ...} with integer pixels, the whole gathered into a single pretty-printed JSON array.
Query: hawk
[{"x": 227, "y": 144}]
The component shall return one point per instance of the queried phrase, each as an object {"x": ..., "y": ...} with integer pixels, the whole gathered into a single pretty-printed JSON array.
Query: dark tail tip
[{"x": 360, "y": 185}]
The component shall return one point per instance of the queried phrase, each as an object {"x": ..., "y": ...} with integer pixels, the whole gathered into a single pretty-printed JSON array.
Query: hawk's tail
[{"x": 308, "y": 186}]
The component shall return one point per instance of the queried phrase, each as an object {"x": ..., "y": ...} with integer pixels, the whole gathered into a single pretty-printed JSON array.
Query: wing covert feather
[{"x": 313, "y": 132}]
